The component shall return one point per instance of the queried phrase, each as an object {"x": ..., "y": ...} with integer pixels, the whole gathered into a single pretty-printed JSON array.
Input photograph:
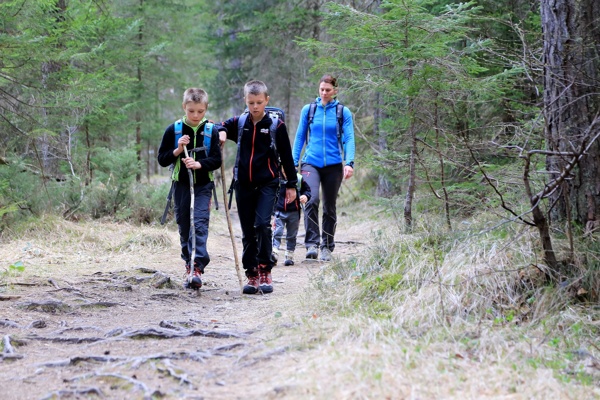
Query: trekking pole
[
  {"x": 192, "y": 226},
  {"x": 230, "y": 226}
]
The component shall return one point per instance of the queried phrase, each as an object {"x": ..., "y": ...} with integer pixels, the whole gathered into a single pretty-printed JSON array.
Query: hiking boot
[
  {"x": 325, "y": 254},
  {"x": 252, "y": 286},
  {"x": 312, "y": 252},
  {"x": 289, "y": 258},
  {"x": 275, "y": 254},
  {"x": 196, "y": 282},
  {"x": 265, "y": 280}
]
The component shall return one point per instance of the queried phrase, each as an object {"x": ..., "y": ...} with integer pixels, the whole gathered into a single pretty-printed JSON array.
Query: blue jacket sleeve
[
  {"x": 301, "y": 134},
  {"x": 348, "y": 139}
]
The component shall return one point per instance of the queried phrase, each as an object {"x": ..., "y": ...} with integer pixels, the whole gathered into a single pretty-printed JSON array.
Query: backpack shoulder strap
[
  {"x": 273, "y": 131},
  {"x": 339, "y": 112},
  {"x": 207, "y": 133},
  {"x": 309, "y": 117},
  {"x": 311, "y": 112},
  {"x": 178, "y": 131}
]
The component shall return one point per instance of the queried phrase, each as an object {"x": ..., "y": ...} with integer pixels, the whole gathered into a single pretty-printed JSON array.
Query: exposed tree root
[
  {"x": 66, "y": 393},
  {"x": 170, "y": 370},
  {"x": 9, "y": 297},
  {"x": 255, "y": 359},
  {"x": 7, "y": 347},
  {"x": 100, "y": 304},
  {"x": 8, "y": 323},
  {"x": 149, "y": 333},
  {"x": 49, "y": 306},
  {"x": 156, "y": 333},
  {"x": 72, "y": 340},
  {"x": 136, "y": 383},
  {"x": 8, "y": 352}
]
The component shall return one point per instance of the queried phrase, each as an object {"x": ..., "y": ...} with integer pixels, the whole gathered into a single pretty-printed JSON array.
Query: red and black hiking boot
[
  {"x": 252, "y": 286},
  {"x": 265, "y": 280},
  {"x": 196, "y": 282}
]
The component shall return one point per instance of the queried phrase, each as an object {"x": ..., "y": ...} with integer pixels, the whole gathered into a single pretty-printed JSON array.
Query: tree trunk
[
  {"x": 571, "y": 101},
  {"x": 383, "y": 184},
  {"x": 412, "y": 175},
  {"x": 138, "y": 113}
]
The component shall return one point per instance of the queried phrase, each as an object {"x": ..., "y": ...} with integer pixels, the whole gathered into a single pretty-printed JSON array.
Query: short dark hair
[
  {"x": 329, "y": 79},
  {"x": 195, "y": 95},
  {"x": 255, "y": 88}
]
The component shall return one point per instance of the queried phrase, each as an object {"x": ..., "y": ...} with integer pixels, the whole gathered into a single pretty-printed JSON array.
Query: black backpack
[{"x": 276, "y": 114}]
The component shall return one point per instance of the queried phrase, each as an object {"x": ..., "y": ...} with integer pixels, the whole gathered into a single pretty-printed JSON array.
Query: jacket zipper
[
  {"x": 252, "y": 152},
  {"x": 324, "y": 136}
]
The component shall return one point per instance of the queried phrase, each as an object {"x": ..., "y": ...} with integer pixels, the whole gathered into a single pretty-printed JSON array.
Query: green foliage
[
  {"x": 115, "y": 177},
  {"x": 15, "y": 269}
]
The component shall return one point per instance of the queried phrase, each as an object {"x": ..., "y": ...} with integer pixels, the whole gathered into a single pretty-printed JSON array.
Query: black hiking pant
[
  {"x": 255, "y": 208},
  {"x": 202, "y": 200},
  {"x": 324, "y": 183}
]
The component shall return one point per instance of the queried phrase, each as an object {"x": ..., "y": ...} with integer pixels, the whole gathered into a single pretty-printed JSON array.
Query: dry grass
[
  {"x": 410, "y": 317},
  {"x": 434, "y": 316},
  {"x": 51, "y": 244}
]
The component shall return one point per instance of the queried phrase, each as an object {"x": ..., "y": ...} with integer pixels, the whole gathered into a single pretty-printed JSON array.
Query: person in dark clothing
[
  {"x": 287, "y": 216},
  {"x": 201, "y": 161},
  {"x": 256, "y": 181}
]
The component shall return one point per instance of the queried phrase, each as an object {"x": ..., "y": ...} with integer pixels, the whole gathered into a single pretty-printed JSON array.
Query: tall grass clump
[
  {"x": 456, "y": 279},
  {"x": 453, "y": 314}
]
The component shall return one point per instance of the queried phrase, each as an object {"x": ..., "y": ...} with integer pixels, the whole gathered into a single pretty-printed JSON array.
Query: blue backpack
[{"x": 207, "y": 135}]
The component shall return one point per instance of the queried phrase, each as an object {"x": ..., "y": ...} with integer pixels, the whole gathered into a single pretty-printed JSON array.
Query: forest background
[{"x": 476, "y": 127}]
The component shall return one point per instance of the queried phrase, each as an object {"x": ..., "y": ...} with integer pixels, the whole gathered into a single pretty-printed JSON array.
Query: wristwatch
[{"x": 350, "y": 164}]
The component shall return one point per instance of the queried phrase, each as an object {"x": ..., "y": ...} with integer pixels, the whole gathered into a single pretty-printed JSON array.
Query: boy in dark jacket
[
  {"x": 288, "y": 216},
  {"x": 201, "y": 161},
  {"x": 256, "y": 181}
]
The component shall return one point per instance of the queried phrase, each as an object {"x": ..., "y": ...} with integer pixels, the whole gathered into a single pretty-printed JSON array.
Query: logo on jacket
[{"x": 266, "y": 130}]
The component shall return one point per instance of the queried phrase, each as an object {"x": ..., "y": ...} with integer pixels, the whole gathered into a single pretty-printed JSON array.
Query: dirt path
[{"x": 100, "y": 312}]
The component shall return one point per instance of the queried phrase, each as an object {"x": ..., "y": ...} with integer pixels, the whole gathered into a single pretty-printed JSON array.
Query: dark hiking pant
[
  {"x": 255, "y": 208},
  {"x": 290, "y": 221},
  {"x": 324, "y": 184},
  {"x": 202, "y": 197}
]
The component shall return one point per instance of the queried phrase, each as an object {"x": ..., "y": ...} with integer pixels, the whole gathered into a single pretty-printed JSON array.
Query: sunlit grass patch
[{"x": 464, "y": 314}]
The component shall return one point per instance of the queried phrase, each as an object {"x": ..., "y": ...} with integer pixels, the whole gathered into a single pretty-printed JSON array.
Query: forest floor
[{"x": 99, "y": 311}]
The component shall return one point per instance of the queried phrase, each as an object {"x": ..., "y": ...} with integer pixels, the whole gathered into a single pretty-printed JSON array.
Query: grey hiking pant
[
  {"x": 324, "y": 183},
  {"x": 202, "y": 198},
  {"x": 290, "y": 221}
]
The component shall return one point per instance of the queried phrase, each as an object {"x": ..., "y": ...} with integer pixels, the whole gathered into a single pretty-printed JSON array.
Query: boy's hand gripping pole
[{"x": 192, "y": 226}]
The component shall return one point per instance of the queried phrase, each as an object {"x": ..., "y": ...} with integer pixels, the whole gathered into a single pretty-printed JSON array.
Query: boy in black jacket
[
  {"x": 287, "y": 216},
  {"x": 256, "y": 182},
  {"x": 201, "y": 161}
]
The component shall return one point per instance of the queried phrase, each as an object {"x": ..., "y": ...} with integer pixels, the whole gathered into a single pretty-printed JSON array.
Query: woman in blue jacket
[{"x": 327, "y": 130}]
